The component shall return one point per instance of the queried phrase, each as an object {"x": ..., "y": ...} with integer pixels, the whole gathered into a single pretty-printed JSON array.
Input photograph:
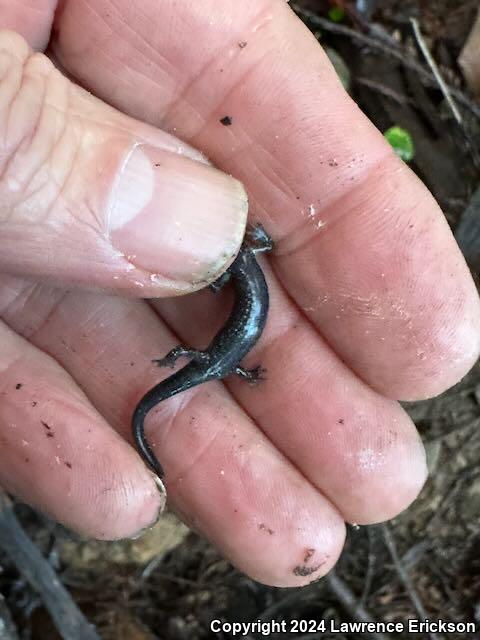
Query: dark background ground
[{"x": 171, "y": 583}]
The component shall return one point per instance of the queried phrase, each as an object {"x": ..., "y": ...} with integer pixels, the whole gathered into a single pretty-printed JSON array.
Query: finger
[
  {"x": 59, "y": 455},
  {"x": 222, "y": 474},
  {"x": 358, "y": 448},
  {"x": 89, "y": 196},
  {"x": 33, "y": 20},
  {"x": 318, "y": 173},
  {"x": 362, "y": 450}
]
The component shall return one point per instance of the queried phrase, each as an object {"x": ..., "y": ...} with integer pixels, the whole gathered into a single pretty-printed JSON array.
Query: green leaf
[
  {"x": 336, "y": 14},
  {"x": 402, "y": 142}
]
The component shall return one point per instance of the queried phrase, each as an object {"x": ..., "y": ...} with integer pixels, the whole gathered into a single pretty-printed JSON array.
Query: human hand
[{"x": 93, "y": 197}]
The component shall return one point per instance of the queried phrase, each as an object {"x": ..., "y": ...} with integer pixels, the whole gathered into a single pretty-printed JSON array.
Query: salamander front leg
[
  {"x": 251, "y": 375},
  {"x": 220, "y": 282},
  {"x": 180, "y": 352}
]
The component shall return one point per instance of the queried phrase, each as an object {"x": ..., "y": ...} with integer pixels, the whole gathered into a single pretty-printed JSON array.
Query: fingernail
[
  {"x": 175, "y": 217},
  {"x": 161, "y": 509}
]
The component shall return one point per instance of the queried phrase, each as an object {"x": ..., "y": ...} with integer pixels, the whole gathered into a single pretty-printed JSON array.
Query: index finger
[{"x": 361, "y": 242}]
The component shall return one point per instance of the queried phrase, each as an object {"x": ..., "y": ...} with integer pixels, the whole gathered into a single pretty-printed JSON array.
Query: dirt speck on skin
[
  {"x": 308, "y": 554},
  {"x": 302, "y": 569},
  {"x": 19, "y": 385},
  {"x": 263, "y": 527}
]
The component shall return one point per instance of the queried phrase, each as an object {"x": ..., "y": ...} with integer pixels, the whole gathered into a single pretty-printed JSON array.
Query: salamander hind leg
[
  {"x": 251, "y": 375},
  {"x": 258, "y": 239},
  {"x": 181, "y": 352}
]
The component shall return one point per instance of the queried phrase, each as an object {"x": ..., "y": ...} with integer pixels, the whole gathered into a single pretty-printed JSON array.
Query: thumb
[{"x": 92, "y": 197}]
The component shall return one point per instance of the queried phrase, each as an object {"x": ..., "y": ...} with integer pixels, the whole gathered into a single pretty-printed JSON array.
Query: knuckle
[{"x": 33, "y": 105}]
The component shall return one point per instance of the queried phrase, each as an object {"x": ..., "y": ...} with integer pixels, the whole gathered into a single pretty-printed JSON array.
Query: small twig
[
  {"x": 388, "y": 49},
  {"x": 414, "y": 555},
  {"x": 469, "y": 425},
  {"x": 372, "y": 559},
  {"x": 8, "y": 630},
  {"x": 384, "y": 90},
  {"x": 299, "y": 595},
  {"x": 67, "y": 617},
  {"x": 463, "y": 476},
  {"x": 164, "y": 576},
  {"x": 405, "y": 578},
  {"x": 436, "y": 71},
  {"x": 349, "y": 602}
]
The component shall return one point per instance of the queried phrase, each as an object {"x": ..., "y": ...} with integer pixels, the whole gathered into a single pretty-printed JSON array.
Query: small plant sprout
[
  {"x": 401, "y": 142},
  {"x": 336, "y": 14}
]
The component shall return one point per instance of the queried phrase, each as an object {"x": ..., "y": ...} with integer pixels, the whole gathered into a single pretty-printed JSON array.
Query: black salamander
[{"x": 230, "y": 345}]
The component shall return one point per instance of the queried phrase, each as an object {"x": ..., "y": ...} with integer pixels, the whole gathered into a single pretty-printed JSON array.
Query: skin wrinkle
[
  {"x": 16, "y": 296},
  {"x": 197, "y": 456},
  {"x": 31, "y": 134},
  {"x": 216, "y": 108},
  {"x": 109, "y": 31},
  {"x": 22, "y": 61},
  {"x": 32, "y": 6},
  {"x": 27, "y": 81},
  {"x": 332, "y": 205},
  {"x": 18, "y": 302},
  {"x": 6, "y": 166},
  {"x": 55, "y": 224},
  {"x": 60, "y": 138},
  {"x": 51, "y": 312},
  {"x": 275, "y": 183},
  {"x": 17, "y": 357},
  {"x": 151, "y": 52},
  {"x": 182, "y": 97}
]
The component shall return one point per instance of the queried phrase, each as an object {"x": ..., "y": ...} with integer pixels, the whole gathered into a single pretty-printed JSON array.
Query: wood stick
[
  {"x": 67, "y": 617},
  {"x": 8, "y": 630}
]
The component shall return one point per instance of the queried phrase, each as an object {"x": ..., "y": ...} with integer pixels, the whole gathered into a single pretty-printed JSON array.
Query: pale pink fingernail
[{"x": 176, "y": 217}]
